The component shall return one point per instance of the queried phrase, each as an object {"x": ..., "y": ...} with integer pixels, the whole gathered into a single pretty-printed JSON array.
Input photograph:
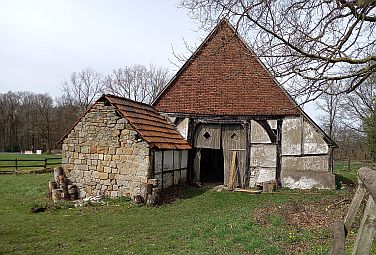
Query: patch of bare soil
[
  {"x": 171, "y": 194},
  {"x": 314, "y": 216}
]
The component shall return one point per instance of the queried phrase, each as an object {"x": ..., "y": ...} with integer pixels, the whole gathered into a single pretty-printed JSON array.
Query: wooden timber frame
[
  {"x": 245, "y": 122},
  {"x": 365, "y": 235},
  {"x": 173, "y": 170}
]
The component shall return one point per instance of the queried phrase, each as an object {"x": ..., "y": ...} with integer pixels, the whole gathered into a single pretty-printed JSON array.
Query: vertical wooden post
[
  {"x": 230, "y": 183},
  {"x": 162, "y": 170},
  {"x": 191, "y": 153},
  {"x": 173, "y": 167},
  {"x": 45, "y": 163},
  {"x": 279, "y": 154},
  {"x": 247, "y": 174},
  {"x": 16, "y": 163},
  {"x": 197, "y": 165},
  {"x": 339, "y": 235}
]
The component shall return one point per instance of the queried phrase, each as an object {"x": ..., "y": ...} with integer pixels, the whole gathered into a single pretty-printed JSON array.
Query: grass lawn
[
  {"x": 199, "y": 222},
  {"x": 27, "y": 165}
]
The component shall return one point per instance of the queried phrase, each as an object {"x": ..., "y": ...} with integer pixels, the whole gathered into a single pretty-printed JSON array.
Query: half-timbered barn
[{"x": 241, "y": 123}]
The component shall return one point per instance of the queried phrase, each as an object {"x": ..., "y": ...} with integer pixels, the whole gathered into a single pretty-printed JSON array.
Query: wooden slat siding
[
  {"x": 153, "y": 128},
  {"x": 229, "y": 144},
  {"x": 366, "y": 230},
  {"x": 214, "y": 142}
]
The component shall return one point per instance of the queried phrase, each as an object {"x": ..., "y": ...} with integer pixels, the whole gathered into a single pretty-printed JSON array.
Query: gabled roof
[
  {"x": 224, "y": 77},
  {"x": 151, "y": 126}
]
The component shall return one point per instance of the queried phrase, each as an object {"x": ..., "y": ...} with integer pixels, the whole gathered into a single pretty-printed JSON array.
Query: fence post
[
  {"x": 16, "y": 164},
  {"x": 45, "y": 163}
]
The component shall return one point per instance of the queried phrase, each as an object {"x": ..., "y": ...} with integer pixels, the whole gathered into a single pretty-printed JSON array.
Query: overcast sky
[{"x": 42, "y": 42}]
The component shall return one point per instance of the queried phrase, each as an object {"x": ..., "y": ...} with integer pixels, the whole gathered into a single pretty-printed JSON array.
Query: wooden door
[{"x": 234, "y": 139}]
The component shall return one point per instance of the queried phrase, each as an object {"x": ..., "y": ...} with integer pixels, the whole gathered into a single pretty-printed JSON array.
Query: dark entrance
[{"x": 211, "y": 165}]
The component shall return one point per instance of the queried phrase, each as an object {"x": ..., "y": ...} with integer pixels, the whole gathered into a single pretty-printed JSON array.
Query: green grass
[
  {"x": 344, "y": 174},
  {"x": 27, "y": 165},
  {"x": 199, "y": 222}
]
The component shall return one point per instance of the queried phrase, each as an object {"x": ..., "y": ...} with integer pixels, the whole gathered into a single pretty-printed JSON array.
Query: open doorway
[{"x": 211, "y": 166}]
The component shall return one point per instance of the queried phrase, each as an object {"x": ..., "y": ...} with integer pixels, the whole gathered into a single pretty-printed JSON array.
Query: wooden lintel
[{"x": 215, "y": 117}]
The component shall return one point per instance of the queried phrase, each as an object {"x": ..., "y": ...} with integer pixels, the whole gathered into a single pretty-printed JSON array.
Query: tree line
[{"x": 30, "y": 121}]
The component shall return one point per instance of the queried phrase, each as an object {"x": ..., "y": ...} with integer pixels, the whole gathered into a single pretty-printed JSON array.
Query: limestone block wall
[
  {"x": 104, "y": 155},
  {"x": 305, "y": 156}
]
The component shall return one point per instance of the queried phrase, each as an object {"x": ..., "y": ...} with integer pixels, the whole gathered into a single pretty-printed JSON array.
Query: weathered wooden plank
[
  {"x": 338, "y": 247},
  {"x": 354, "y": 206},
  {"x": 196, "y": 166},
  {"x": 234, "y": 138},
  {"x": 366, "y": 230},
  {"x": 208, "y": 136},
  {"x": 368, "y": 177},
  {"x": 230, "y": 182}
]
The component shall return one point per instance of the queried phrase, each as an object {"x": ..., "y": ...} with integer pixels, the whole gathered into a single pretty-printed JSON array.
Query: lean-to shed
[
  {"x": 240, "y": 121},
  {"x": 118, "y": 144}
]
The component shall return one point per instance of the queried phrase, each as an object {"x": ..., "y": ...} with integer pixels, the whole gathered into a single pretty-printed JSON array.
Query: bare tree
[
  {"x": 360, "y": 104},
  {"x": 137, "y": 82},
  {"x": 83, "y": 87},
  {"x": 330, "y": 105},
  {"x": 309, "y": 43},
  {"x": 44, "y": 113}
]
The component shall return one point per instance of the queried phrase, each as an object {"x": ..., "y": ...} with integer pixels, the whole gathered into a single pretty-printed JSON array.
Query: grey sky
[{"x": 42, "y": 42}]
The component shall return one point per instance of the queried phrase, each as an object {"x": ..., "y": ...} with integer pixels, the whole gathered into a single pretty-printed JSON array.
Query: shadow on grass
[
  {"x": 344, "y": 181},
  {"x": 175, "y": 192}
]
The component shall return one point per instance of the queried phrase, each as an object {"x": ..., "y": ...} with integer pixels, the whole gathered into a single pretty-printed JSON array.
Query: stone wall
[{"x": 104, "y": 155}]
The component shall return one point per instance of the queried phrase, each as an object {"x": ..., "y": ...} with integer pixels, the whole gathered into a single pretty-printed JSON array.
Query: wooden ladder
[{"x": 364, "y": 238}]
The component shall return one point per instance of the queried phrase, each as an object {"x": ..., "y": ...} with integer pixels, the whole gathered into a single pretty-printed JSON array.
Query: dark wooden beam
[
  {"x": 279, "y": 153},
  {"x": 247, "y": 175},
  {"x": 265, "y": 125}
]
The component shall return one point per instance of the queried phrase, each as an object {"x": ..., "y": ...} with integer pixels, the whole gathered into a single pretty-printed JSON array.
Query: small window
[
  {"x": 234, "y": 136},
  {"x": 207, "y": 135}
]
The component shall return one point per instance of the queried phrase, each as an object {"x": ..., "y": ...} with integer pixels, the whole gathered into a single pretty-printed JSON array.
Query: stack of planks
[{"x": 61, "y": 187}]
